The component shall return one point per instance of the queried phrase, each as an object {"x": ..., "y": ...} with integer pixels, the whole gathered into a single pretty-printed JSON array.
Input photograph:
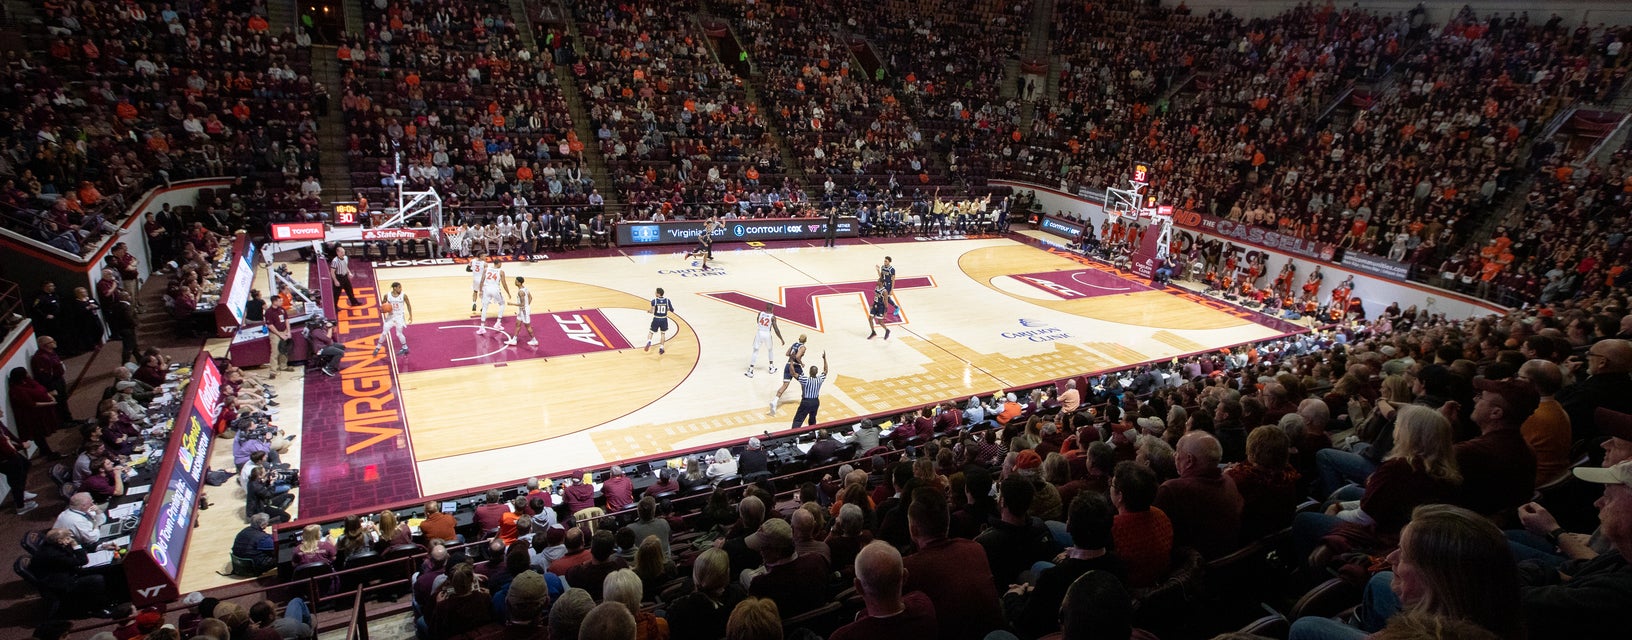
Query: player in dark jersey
[
  {"x": 705, "y": 243},
  {"x": 875, "y": 317},
  {"x": 886, "y": 277},
  {"x": 793, "y": 369},
  {"x": 660, "y": 321}
]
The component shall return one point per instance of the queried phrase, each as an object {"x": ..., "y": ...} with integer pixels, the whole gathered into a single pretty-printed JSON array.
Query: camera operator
[{"x": 327, "y": 353}]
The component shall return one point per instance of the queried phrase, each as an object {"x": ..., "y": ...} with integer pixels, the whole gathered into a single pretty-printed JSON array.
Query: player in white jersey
[
  {"x": 495, "y": 291},
  {"x": 396, "y": 316},
  {"x": 478, "y": 264},
  {"x": 766, "y": 324},
  {"x": 524, "y": 314}
]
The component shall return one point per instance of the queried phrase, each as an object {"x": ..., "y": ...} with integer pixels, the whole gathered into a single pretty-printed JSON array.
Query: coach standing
[
  {"x": 342, "y": 276},
  {"x": 832, "y": 225},
  {"x": 810, "y": 399}
]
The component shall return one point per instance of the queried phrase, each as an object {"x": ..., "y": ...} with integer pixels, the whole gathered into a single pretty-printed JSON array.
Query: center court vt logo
[{"x": 802, "y": 305}]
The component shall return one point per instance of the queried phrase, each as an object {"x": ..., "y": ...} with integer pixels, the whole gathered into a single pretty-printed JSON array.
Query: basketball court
[{"x": 976, "y": 315}]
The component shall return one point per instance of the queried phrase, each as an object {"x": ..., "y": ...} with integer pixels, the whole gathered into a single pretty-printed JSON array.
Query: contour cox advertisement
[
  {"x": 759, "y": 229},
  {"x": 156, "y": 552}
]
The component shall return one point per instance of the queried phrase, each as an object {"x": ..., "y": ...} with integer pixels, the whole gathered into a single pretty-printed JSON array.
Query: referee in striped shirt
[{"x": 810, "y": 382}]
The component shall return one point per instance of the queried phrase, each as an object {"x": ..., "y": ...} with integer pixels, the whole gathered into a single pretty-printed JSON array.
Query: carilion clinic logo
[{"x": 645, "y": 233}]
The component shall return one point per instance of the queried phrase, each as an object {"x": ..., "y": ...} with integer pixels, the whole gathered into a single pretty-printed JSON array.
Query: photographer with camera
[{"x": 326, "y": 352}]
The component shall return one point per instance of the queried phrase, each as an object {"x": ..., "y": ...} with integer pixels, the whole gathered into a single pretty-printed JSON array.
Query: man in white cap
[{"x": 1587, "y": 598}]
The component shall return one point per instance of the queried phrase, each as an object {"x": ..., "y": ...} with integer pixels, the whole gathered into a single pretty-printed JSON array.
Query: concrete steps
[
  {"x": 593, "y": 161},
  {"x": 281, "y": 14},
  {"x": 334, "y": 166}
]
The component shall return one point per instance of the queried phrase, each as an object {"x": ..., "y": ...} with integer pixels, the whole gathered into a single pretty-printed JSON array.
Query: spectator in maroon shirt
[
  {"x": 618, "y": 490},
  {"x": 951, "y": 571},
  {"x": 604, "y": 560},
  {"x": 1203, "y": 504},
  {"x": 1268, "y": 485},
  {"x": 889, "y": 614},
  {"x": 1498, "y": 467},
  {"x": 48, "y": 369},
  {"x": 491, "y": 514},
  {"x": 578, "y": 495},
  {"x": 797, "y": 582},
  {"x": 577, "y": 553}
]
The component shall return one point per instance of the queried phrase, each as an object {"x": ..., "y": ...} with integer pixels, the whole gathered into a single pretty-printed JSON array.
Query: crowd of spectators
[
  {"x": 1386, "y": 451},
  {"x": 674, "y": 124},
  {"x": 131, "y": 95},
  {"x": 452, "y": 91}
]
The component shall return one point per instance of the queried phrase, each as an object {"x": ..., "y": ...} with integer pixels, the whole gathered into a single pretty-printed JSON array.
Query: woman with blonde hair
[
  {"x": 1452, "y": 566},
  {"x": 702, "y": 614},
  {"x": 754, "y": 619},
  {"x": 651, "y": 564},
  {"x": 391, "y": 533},
  {"x": 313, "y": 548},
  {"x": 1421, "y": 469},
  {"x": 624, "y": 587}
]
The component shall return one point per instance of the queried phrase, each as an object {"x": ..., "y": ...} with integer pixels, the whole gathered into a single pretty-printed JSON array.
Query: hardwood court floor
[{"x": 977, "y": 315}]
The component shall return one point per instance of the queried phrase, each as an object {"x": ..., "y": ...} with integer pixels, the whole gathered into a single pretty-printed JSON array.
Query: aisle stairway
[
  {"x": 594, "y": 162},
  {"x": 281, "y": 14},
  {"x": 331, "y": 129},
  {"x": 790, "y": 160}
]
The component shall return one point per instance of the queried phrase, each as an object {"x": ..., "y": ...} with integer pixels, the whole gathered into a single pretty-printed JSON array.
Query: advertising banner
[
  {"x": 399, "y": 233},
  {"x": 1061, "y": 227},
  {"x": 229, "y": 310},
  {"x": 1374, "y": 265},
  {"x": 160, "y": 542},
  {"x": 760, "y": 229},
  {"x": 1257, "y": 235},
  {"x": 297, "y": 231}
]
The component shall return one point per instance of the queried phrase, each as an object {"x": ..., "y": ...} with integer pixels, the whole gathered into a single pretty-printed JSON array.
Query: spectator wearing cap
[
  {"x": 578, "y": 495},
  {"x": 603, "y": 561},
  {"x": 618, "y": 490},
  {"x": 953, "y": 572},
  {"x": 798, "y": 583},
  {"x": 1015, "y": 540},
  {"x": 525, "y": 602},
  {"x": 1498, "y": 468},
  {"x": 1203, "y": 504},
  {"x": 753, "y": 463},
  {"x": 1547, "y": 430},
  {"x": 1587, "y": 598},
  {"x": 889, "y": 614},
  {"x": 1608, "y": 384},
  {"x": 1045, "y": 502},
  {"x": 1542, "y": 540}
]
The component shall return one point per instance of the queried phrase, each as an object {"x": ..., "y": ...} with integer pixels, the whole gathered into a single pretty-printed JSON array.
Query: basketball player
[
  {"x": 495, "y": 290},
  {"x": 477, "y": 265},
  {"x": 794, "y": 368},
  {"x": 660, "y": 321},
  {"x": 766, "y": 324},
  {"x": 875, "y": 317},
  {"x": 524, "y": 314},
  {"x": 886, "y": 277},
  {"x": 705, "y": 243},
  {"x": 400, "y": 313}
]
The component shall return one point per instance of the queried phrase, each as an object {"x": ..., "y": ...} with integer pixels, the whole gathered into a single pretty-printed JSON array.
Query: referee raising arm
[{"x": 810, "y": 398}]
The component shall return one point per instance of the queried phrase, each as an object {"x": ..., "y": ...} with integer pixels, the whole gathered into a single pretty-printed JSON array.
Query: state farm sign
[
  {"x": 396, "y": 234},
  {"x": 297, "y": 231}
]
